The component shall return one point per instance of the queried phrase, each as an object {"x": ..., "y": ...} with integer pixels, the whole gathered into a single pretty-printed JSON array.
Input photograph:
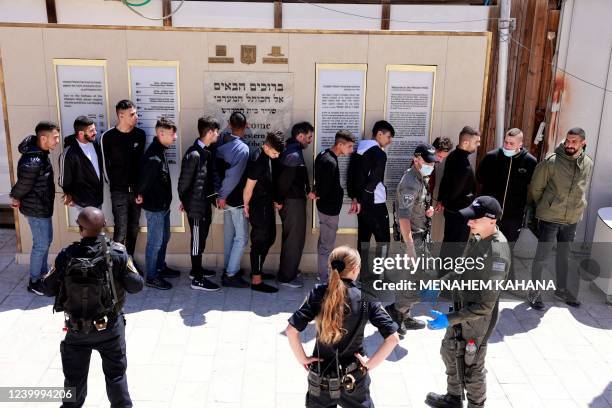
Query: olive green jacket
[{"x": 559, "y": 186}]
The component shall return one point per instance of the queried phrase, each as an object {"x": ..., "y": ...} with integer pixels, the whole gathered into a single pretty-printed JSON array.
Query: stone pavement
[{"x": 189, "y": 348}]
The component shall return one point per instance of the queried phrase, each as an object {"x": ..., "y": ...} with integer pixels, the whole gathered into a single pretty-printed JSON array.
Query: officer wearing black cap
[
  {"x": 89, "y": 282},
  {"x": 413, "y": 209},
  {"x": 475, "y": 310},
  {"x": 338, "y": 368}
]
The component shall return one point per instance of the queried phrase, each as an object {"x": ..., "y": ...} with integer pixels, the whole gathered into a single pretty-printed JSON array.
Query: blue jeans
[
  {"x": 235, "y": 237},
  {"x": 158, "y": 235},
  {"x": 42, "y": 235}
]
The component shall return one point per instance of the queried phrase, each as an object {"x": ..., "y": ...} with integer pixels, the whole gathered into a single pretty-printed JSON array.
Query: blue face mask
[
  {"x": 509, "y": 153},
  {"x": 426, "y": 170}
]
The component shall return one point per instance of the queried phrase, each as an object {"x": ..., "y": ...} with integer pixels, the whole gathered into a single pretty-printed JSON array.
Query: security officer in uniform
[
  {"x": 474, "y": 314},
  {"x": 338, "y": 369},
  {"x": 413, "y": 208},
  {"x": 106, "y": 334}
]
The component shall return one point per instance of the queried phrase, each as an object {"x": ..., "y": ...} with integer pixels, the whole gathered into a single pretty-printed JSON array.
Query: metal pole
[{"x": 502, "y": 71}]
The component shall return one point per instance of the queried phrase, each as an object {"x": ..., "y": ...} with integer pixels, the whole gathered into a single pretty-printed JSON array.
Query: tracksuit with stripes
[{"x": 195, "y": 188}]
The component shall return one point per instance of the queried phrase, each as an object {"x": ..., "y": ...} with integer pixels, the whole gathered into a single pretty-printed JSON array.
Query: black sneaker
[
  {"x": 159, "y": 283},
  {"x": 410, "y": 323},
  {"x": 169, "y": 273},
  {"x": 35, "y": 287},
  {"x": 204, "y": 284},
  {"x": 197, "y": 274},
  {"x": 234, "y": 281},
  {"x": 263, "y": 287},
  {"x": 443, "y": 401}
]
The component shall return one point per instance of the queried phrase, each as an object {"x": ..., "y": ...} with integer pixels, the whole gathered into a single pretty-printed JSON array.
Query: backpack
[{"x": 87, "y": 292}]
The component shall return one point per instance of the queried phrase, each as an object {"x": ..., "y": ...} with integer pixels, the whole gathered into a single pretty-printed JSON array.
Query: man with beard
[
  {"x": 558, "y": 188},
  {"x": 292, "y": 190},
  {"x": 80, "y": 165}
]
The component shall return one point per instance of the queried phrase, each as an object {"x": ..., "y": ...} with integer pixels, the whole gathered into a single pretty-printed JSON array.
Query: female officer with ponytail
[{"x": 338, "y": 368}]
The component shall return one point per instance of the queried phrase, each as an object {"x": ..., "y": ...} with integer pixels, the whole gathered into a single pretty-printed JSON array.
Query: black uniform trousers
[
  {"x": 199, "y": 227},
  {"x": 263, "y": 233},
  {"x": 511, "y": 228},
  {"x": 126, "y": 215},
  {"x": 293, "y": 216},
  {"x": 358, "y": 398},
  {"x": 76, "y": 352}
]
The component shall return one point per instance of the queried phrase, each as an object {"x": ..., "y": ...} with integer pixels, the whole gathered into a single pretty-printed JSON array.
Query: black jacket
[
  {"x": 122, "y": 154},
  {"x": 195, "y": 183},
  {"x": 327, "y": 183},
  {"x": 507, "y": 179},
  {"x": 35, "y": 187},
  {"x": 458, "y": 185},
  {"x": 155, "y": 184},
  {"x": 78, "y": 176},
  {"x": 366, "y": 171},
  {"x": 124, "y": 273},
  {"x": 291, "y": 173}
]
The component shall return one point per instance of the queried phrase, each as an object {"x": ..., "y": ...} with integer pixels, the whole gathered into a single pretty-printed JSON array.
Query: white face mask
[
  {"x": 509, "y": 153},
  {"x": 426, "y": 170}
]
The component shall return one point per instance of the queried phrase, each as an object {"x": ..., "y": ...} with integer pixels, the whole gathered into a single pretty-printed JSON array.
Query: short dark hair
[
  {"x": 466, "y": 132},
  {"x": 124, "y": 104},
  {"x": 165, "y": 123},
  {"x": 382, "y": 126},
  {"x": 301, "y": 127},
  {"x": 237, "y": 120},
  {"x": 81, "y": 123},
  {"x": 577, "y": 132},
  {"x": 442, "y": 144},
  {"x": 345, "y": 136},
  {"x": 45, "y": 126},
  {"x": 206, "y": 123},
  {"x": 276, "y": 140}
]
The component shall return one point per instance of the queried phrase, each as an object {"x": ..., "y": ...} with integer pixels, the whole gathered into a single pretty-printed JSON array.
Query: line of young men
[
  {"x": 243, "y": 183},
  {"x": 216, "y": 169}
]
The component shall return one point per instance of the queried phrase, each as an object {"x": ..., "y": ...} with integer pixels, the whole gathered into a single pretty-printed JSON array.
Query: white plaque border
[
  {"x": 337, "y": 67},
  {"x": 179, "y": 149},
  {"x": 79, "y": 63}
]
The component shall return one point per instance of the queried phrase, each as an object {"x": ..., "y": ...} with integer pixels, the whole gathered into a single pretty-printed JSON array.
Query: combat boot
[
  {"x": 443, "y": 401},
  {"x": 410, "y": 323},
  {"x": 398, "y": 318}
]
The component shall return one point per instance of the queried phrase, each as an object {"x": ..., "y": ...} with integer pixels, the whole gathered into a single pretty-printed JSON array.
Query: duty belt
[
  {"x": 348, "y": 376},
  {"x": 86, "y": 325}
]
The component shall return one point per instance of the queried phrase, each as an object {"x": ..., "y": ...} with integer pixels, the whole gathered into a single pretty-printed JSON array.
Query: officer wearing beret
[
  {"x": 413, "y": 208},
  {"x": 474, "y": 314},
  {"x": 92, "y": 303},
  {"x": 338, "y": 368}
]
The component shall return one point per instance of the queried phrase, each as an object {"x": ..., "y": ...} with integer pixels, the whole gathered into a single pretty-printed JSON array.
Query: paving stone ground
[{"x": 189, "y": 348}]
